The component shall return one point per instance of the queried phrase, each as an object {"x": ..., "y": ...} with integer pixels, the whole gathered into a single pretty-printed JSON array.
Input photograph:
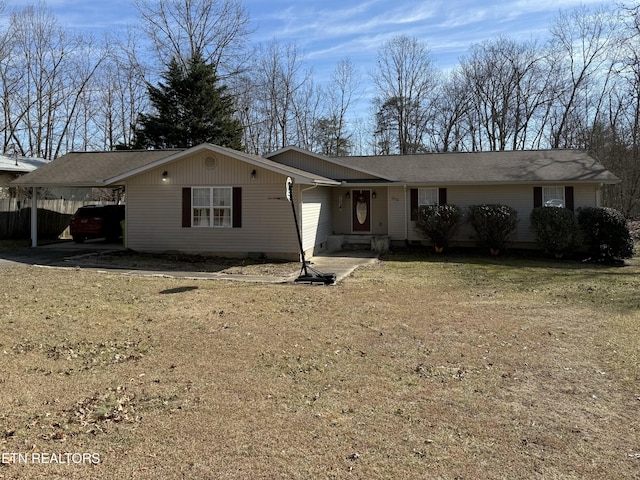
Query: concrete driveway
[{"x": 55, "y": 254}]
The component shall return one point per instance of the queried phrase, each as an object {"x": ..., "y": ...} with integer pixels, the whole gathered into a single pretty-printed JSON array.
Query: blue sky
[{"x": 329, "y": 30}]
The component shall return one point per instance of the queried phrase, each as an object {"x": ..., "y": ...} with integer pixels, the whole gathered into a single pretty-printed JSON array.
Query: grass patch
[{"x": 454, "y": 367}]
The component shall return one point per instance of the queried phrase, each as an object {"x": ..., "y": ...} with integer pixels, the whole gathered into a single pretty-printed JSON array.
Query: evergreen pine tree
[{"x": 191, "y": 108}]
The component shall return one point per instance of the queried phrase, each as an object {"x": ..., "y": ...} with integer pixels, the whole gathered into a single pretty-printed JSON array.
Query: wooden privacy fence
[{"x": 53, "y": 217}]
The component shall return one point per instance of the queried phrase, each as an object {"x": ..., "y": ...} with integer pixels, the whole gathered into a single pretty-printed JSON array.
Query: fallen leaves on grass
[
  {"x": 115, "y": 405},
  {"x": 402, "y": 364},
  {"x": 189, "y": 263},
  {"x": 89, "y": 354}
]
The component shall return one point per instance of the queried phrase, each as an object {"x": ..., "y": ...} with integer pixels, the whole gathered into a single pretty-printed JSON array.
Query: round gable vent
[{"x": 210, "y": 162}]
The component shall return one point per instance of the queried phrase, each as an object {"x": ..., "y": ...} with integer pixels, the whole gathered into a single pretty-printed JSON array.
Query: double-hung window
[
  {"x": 428, "y": 196},
  {"x": 553, "y": 196},
  {"x": 211, "y": 206},
  {"x": 420, "y": 197}
]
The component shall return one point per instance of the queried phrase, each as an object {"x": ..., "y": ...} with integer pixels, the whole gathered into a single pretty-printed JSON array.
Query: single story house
[
  {"x": 12, "y": 167},
  {"x": 214, "y": 200}
]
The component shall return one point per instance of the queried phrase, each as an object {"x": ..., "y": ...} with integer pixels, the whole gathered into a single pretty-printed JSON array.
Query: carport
[{"x": 84, "y": 169}]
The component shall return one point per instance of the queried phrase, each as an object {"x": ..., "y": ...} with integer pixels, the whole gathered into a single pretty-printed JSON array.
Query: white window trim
[
  {"x": 548, "y": 197},
  {"x": 436, "y": 196},
  {"x": 211, "y": 207}
]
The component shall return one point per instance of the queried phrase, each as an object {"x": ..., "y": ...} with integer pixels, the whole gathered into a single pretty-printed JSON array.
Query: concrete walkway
[{"x": 343, "y": 263}]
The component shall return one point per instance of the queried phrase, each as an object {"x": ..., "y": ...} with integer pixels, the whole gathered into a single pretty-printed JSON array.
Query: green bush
[
  {"x": 556, "y": 230},
  {"x": 494, "y": 224},
  {"x": 439, "y": 223},
  {"x": 606, "y": 233}
]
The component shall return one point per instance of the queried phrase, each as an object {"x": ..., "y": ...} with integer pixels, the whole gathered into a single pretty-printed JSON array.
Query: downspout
[
  {"x": 406, "y": 217},
  {"x": 34, "y": 217}
]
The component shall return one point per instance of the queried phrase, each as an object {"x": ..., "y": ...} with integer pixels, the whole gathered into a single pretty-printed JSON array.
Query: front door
[{"x": 361, "y": 211}]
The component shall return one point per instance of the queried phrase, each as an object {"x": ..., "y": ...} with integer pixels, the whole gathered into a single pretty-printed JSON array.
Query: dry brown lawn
[{"x": 435, "y": 367}]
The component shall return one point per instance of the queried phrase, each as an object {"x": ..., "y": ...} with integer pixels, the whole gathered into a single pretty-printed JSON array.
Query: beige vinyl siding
[
  {"x": 585, "y": 196},
  {"x": 318, "y": 166},
  {"x": 398, "y": 207},
  {"x": 379, "y": 212},
  {"x": 154, "y": 224},
  {"x": 154, "y": 210},
  {"x": 341, "y": 211},
  {"x": 191, "y": 171},
  {"x": 316, "y": 218},
  {"x": 519, "y": 197}
]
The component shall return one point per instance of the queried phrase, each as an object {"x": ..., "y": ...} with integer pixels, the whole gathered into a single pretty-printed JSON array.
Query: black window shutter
[
  {"x": 568, "y": 198},
  {"x": 442, "y": 196},
  {"x": 537, "y": 197},
  {"x": 237, "y": 207},
  {"x": 414, "y": 203},
  {"x": 186, "y": 207}
]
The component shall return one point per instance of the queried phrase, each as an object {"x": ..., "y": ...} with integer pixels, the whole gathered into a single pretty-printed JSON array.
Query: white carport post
[{"x": 34, "y": 217}]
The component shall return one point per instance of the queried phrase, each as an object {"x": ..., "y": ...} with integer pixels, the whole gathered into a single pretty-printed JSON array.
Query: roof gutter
[
  {"x": 443, "y": 183},
  {"x": 321, "y": 183},
  {"x": 96, "y": 184}
]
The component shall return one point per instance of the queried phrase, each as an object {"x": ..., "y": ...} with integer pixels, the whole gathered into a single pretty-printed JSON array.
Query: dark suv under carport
[{"x": 97, "y": 221}]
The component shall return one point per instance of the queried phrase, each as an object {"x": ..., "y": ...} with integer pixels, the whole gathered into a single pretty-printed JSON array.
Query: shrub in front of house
[
  {"x": 439, "y": 223},
  {"x": 606, "y": 233},
  {"x": 556, "y": 230},
  {"x": 494, "y": 225}
]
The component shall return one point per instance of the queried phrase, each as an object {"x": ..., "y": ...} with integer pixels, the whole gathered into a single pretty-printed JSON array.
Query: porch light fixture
[
  {"x": 348, "y": 195},
  {"x": 253, "y": 174},
  {"x": 373, "y": 195},
  {"x": 165, "y": 175}
]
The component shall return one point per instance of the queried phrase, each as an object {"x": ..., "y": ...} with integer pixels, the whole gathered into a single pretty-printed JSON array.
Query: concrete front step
[{"x": 375, "y": 243}]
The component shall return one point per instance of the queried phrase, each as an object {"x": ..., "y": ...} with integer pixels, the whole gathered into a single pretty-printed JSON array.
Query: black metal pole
[{"x": 295, "y": 219}]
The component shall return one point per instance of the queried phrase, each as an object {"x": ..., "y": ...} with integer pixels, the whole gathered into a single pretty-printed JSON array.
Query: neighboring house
[
  {"x": 12, "y": 167},
  {"x": 213, "y": 200}
]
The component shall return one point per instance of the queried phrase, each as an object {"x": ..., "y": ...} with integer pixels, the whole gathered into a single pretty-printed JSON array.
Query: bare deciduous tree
[
  {"x": 331, "y": 130},
  {"x": 307, "y": 107},
  {"x": 282, "y": 75},
  {"x": 50, "y": 72},
  {"x": 216, "y": 29},
  {"x": 405, "y": 77},
  {"x": 581, "y": 41},
  {"x": 122, "y": 91},
  {"x": 615, "y": 136},
  {"x": 449, "y": 131},
  {"x": 508, "y": 85}
]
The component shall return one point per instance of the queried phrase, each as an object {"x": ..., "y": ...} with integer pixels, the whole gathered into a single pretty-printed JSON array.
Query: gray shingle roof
[
  {"x": 90, "y": 169},
  {"x": 95, "y": 168},
  {"x": 487, "y": 167}
]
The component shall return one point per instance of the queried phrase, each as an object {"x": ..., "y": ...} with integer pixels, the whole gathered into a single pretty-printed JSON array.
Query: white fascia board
[{"x": 296, "y": 175}]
